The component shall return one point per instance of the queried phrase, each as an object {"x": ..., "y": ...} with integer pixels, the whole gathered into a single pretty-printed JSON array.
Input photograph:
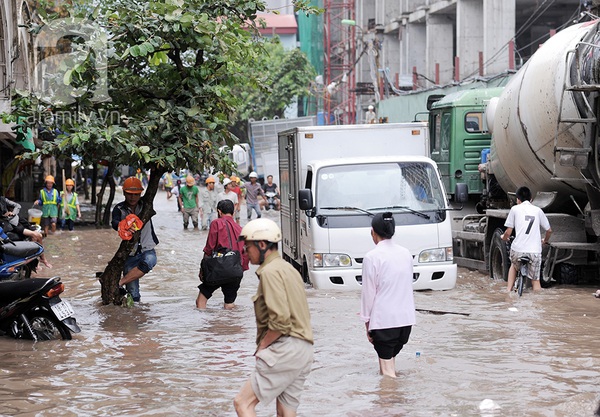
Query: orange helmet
[
  {"x": 133, "y": 185},
  {"x": 70, "y": 182},
  {"x": 49, "y": 178},
  {"x": 189, "y": 181},
  {"x": 209, "y": 180}
]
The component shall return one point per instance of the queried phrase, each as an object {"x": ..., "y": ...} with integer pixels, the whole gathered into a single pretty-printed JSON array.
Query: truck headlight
[
  {"x": 436, "y": 255},
  {"x": 321, "y": 260}
]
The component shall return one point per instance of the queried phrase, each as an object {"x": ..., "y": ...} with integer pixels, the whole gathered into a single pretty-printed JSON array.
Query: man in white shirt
[
  {"x": 526, "y": 219},
  {"x": 228, "y": 194}
]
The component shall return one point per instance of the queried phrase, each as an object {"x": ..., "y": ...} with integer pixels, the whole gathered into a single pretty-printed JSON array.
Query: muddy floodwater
[{"x": 537, "y": 355}]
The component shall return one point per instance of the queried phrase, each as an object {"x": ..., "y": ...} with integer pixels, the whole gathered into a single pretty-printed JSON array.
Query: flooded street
[{"x": 533, "y": 356}]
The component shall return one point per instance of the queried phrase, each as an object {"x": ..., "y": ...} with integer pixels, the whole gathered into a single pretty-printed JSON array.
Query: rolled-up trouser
[
  {"x": 144, "y": 261},
  {"x": 190, "y": 212}
]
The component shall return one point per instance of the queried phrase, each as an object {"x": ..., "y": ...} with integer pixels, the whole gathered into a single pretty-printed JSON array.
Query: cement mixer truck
[{"x": 545, "y": 136}]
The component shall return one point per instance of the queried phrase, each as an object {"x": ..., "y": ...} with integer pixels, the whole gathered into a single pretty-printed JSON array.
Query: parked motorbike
[
  {"x": 32, "y": 309},
  {"x": 271, "y": 204},
  {"x": 18, "y": 259}
]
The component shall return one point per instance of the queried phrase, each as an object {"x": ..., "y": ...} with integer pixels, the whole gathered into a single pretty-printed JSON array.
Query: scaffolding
[{"x": 339, "y": 53}]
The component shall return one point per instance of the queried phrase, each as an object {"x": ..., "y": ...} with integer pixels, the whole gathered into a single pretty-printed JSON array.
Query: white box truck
[{"x": 333, "y": 179}]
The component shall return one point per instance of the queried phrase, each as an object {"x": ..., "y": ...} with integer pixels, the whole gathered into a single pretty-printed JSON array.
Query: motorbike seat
[
  {"x": 12, "y": 290},
  {"x": 21, "y": 249}
]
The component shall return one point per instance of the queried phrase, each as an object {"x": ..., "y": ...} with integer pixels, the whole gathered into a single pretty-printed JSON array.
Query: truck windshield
[{"x": 398, "y": 187}]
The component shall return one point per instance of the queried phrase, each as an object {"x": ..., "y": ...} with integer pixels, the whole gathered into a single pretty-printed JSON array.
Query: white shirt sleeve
[
  {"x": 510, "y": 220},
  {"x": 369, "y": 289}
]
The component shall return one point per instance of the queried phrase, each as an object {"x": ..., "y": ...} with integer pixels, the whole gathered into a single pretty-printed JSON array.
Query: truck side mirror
[
  {"x": 305, "y": 199},
  {"x": 461, "y": 193}
]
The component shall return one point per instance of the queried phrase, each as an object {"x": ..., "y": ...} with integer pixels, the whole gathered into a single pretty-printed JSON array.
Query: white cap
[
  {"x": 253, "y": 175},
  {"x": 371, "y": 107},
  {"x": 226, "y": 181}
]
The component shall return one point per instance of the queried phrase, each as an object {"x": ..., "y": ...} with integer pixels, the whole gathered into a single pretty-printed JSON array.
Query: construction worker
[
  {"x": 143, "y": 257},
  {"x": 49, "y": 200},
  {"x": 70, "y": 209}
]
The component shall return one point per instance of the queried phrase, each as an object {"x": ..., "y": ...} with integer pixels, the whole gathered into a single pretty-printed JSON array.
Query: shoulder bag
[{"x": 223, "y": 266}]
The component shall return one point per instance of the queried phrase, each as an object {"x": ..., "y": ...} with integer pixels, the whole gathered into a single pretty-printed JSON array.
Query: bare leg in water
[{"x": 37, "y": 237}]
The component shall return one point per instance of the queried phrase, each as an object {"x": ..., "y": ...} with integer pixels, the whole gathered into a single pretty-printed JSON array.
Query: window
[
  {"x": 473, "y": 122},
  {"x": 445, "y": 131},
  {"x": 435, "y": 134},
  {"x": 440, "y": 137},
  {"x": 377, "y": 186}
]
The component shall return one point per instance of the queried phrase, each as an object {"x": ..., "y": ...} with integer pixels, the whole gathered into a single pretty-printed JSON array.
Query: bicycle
[
  {"x": 522, "y": 274},
  {"x": 524, "y": 261}
]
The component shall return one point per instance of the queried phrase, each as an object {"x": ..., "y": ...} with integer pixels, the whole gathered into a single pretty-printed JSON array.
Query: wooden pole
[{"x": 64, "y": 203}]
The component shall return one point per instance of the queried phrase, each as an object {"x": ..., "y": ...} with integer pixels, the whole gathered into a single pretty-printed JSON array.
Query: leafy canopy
[
  {"x": 148, "y": 82},
  {"x": 280, "y": 76}
]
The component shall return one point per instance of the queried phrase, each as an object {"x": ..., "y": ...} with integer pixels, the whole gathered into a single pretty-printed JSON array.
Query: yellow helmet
[
  {"x": 189, "y": 181},
  {"x": 49, "y": 178},
  {"x": 70, "y": 182}
]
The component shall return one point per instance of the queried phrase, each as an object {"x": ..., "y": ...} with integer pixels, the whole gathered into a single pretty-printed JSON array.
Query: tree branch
[
  {"x": 175, "y": 55},
  {"x": 199, "y": 58}
]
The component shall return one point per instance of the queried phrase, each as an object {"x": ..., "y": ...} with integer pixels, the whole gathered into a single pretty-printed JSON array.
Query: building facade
[
  {"x": 421, "y": 44},
  {"x": 16, "y": 69},
  {"x": 16, "y": 55}
]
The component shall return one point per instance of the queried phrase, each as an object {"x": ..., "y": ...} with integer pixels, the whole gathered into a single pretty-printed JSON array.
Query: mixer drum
[{"x": 525, "y": 123}]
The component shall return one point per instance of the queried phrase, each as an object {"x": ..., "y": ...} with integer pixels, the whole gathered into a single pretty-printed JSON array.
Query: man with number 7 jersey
[{"x": 526, "y": 219}]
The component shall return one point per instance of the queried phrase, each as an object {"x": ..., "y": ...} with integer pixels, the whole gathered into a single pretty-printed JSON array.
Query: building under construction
[{"x": 376, "y": 49}]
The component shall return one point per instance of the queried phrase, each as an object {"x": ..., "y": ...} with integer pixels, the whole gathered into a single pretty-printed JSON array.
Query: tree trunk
[
  {"x": 109, "y": 279},
  {"x": 86, "y": 189},
  {"x": 100, "y": 219},
  {"x": 103, "y": 217},
  {"x": 93, "y": 185},
  {"x": 111, "y": 197}
]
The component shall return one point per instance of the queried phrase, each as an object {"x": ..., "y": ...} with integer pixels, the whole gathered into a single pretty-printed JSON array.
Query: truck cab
[
  {"x": 327, "y": 203},
  {"x": 459, "y": 133}
]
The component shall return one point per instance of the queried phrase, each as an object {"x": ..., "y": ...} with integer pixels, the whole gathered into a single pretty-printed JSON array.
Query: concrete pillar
[
  {"x": 499, "y": 28},
  {"x": 469, "y": 35},
  {"x": 440, "y": 47},
  {"x": 8, "y": 20},
  {"x": 414, "y": 39}
]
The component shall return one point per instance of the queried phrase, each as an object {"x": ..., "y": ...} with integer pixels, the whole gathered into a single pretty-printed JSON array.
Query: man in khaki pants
[{"x": 284, "y": 354}]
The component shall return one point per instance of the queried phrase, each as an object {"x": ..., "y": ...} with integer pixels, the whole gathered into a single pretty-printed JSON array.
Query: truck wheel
[
  {"x": 304, "y": 273},
  {"x": 499, "y": 260},
  {"x": 545, "y": 282},
  {"x": 567, "y": 274}
]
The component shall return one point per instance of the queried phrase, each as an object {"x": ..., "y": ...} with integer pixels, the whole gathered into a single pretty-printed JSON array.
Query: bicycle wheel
[{"x": 520, "y": 283}]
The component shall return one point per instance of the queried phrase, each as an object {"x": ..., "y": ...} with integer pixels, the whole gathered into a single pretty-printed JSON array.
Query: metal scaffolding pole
[{"x": 340, "y": 51}]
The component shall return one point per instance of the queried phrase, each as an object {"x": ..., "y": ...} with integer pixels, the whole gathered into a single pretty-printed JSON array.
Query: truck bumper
[{"x": 426, "y": 277}]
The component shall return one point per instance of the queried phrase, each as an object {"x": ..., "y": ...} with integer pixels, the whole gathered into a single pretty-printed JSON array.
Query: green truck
[{"x": 459, "y": 136}]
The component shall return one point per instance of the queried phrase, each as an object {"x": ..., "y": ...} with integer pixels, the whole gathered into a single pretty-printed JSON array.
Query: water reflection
[{"x": 164, "y": 357}]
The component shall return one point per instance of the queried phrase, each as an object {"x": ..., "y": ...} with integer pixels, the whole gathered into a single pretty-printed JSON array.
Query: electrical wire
[
  {"x": 538, "y": 12},
  {"x": 545, "y": 36}
]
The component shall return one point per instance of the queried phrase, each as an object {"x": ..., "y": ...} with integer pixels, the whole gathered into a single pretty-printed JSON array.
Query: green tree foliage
[
  {"x": 150, "y": 83},
  {"x": 280, "y": 77}
]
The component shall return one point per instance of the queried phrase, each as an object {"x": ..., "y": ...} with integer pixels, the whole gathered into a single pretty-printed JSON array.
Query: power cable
[{"x": 534, "y": 16}]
